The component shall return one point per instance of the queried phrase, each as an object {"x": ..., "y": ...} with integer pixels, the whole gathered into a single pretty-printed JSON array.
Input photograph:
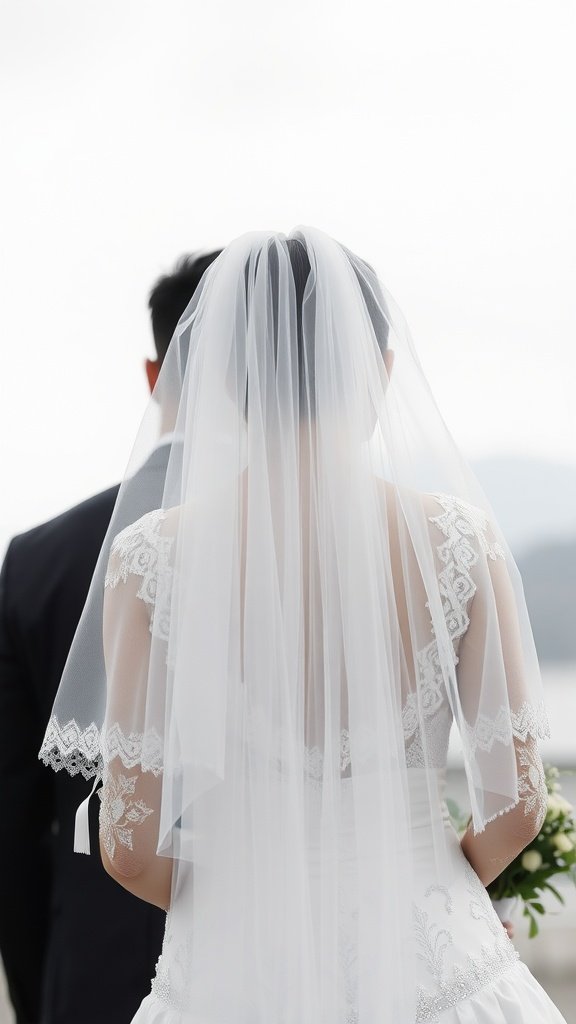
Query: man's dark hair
[{"x": 172, "y": 293}]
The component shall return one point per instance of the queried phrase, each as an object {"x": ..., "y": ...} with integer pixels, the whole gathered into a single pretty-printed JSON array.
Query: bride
[{"x": 269, "y": 665}]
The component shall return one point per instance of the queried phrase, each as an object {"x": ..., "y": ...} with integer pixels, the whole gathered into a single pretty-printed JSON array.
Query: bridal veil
[{"x": 272, "y": 646}]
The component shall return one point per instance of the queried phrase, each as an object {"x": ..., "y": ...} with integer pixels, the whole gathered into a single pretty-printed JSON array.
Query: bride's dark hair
[
  {"x": 368, "y": 282},
  {"x": 300, "y": 265}
]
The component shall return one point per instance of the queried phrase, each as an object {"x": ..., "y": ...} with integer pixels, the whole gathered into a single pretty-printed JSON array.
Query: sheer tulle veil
[{"x": 279, "y": 657}]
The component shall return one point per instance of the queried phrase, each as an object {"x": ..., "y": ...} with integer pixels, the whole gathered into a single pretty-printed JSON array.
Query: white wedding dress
[{"x": 468, "y": 971}]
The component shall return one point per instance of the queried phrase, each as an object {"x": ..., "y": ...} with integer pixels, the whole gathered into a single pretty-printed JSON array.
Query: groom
[{"x": 50, "y": 897}]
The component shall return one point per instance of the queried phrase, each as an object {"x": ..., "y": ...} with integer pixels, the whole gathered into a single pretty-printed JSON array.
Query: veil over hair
[{"x": 279, "y": 635}]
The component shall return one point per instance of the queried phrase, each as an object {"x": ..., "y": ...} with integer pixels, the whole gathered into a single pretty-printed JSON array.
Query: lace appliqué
[
  {"x": 141, "y": 550},
  {"x": 530, "y": 720},
  {"x": 173, "y": 971},
  {"x": 118, "y": 813},
  {"x": 532, "y": 783},
  {"x": 443, "y": 891},
  {"x": 458, "y": 522},
  {"x": 432, "y": 942},
  {"x": 465, "y": 982},
  {"x": 71, "y": 747},
  {"x": 84, "y": 750},
  {"x": 458, "y": 981},
  {"x": 480, "y": 905},
  {"x": 461, "y": 525}
]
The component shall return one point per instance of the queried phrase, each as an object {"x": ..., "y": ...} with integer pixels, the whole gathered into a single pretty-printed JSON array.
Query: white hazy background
[{"x": 436, "y": 139}]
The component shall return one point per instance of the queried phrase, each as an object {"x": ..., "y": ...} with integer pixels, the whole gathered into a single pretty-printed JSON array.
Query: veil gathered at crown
[{"x": 273, "y": 629}]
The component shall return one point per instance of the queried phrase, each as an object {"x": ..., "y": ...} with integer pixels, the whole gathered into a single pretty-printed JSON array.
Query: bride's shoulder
[
  {"x": 148, "y": 529},
  {"x": 451, "y": 519},
  {"x": 143, "y": 547},
  {"x": 459, "y": 520}
]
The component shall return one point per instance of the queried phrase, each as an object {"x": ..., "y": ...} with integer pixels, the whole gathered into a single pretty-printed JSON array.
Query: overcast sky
[{"x": 435, "y": 138}]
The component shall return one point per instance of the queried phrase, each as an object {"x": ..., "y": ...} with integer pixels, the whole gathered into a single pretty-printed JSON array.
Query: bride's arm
[
  {"x": 490, "y": 851},
  {"x": 137, "y": 867},
  {"x": 131, "y": 792}
]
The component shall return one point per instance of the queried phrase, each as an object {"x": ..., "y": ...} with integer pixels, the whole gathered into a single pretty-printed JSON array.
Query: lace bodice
[{"x": 462, "y": 536}]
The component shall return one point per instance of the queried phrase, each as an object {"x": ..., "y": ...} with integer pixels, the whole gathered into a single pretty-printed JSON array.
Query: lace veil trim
[
  {"x": 141, "y": 550},
  {"x": 84, "y": 751}
]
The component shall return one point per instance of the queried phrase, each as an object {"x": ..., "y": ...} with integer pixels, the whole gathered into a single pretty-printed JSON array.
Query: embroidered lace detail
[
  {"x": 173, "y": 976},
  {"x": 72, "y": 747},
  {"x": 456, "y": 981},
  {"x": 432, "y": 941},
  {"x": 142, "y": 749},
  {"x": 465, "y": 981},
  {"x": 464, "y": 528},
  {"x": 458, "y": 523},
  {"x": 84, "y": 750},
  {"x": 118, "y": 813},
  {"x": 480, "y": 904},
  {"x": 437, "y": 732},
  {"x": 443, "y": 891},
  {"x": 530, "y": 720},
  {"x": 461, "y": 525},
  {"x": 532, "y": 783},
  {"x": 314, "y": 758},
  {"x": 141, "y": 550},
  {"x": 173, "y": 970}
]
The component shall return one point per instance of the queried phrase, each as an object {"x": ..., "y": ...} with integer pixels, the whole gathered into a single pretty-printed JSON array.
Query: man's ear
[
  {"x": 152, "y": 370},
  {"x": 389, "y": 361}
]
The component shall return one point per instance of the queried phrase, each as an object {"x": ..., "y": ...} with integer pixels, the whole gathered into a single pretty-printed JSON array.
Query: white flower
[
  {"x": 558, "y": 805},
  {"x": 554, "y": 807},
  {"x": 562, "y": 843},
  {"x": 531, "y": 860}
]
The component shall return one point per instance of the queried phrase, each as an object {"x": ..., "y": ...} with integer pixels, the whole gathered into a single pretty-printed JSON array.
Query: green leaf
[
  {"x": 453, "y": 808},
  {"x": 533, "y": 930},
  {"x": 553, "y": 890}
]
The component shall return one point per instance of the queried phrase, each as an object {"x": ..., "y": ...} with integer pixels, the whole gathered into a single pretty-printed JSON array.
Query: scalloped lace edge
[{"x": 84, "y": 750}]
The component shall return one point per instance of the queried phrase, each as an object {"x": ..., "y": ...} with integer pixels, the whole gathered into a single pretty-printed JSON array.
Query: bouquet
[{"x": 551, "y": 853}]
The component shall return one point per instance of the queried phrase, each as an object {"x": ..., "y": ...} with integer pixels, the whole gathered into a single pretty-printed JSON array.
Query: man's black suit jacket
[{"x": 76, "y": 948}]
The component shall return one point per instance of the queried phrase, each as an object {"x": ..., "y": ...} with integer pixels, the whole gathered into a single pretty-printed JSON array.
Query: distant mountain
[
  {"x": 534, "y": 500},
  {"x": 549, "y": 575},
  {"x": 535, "y": 504}
]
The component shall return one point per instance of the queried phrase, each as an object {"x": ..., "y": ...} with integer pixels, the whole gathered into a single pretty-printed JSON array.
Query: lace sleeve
[
  {"x": 501, "y": 714},
  {"x": 136, "y": 605},
  {"x": 142, "y": 551}
]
